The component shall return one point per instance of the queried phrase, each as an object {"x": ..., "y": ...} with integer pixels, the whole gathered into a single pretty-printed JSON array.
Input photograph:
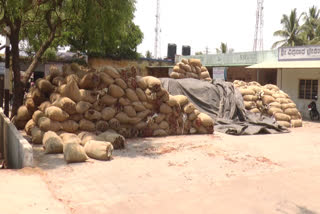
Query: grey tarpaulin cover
[{"x": 224, "y": 103}]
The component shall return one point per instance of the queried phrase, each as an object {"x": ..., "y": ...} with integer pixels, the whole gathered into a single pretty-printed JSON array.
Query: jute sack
[
  {"x": 28, "y": 127},
  {"x": 139, "y": 106},
  {"x": 131, "y": 94},
  {"x": 278, "y": 95},
  {"x": 66, "y": 70},
  {"x": 73, "y": 152},
  {"x": 102, "y": 126},
  {"x": 122, "y": 117},
  {"x": 153, "y": 83},
  {"x": 45, "y": 86},
  {"x": 192, "y": 116},
  {"x": 20, "y": 124},
  {"x": 148, "y": 105},
  {"x": 205, "y": 119},
  {"x": 120, "y": 82},
  {"x": 71, "y": 90},
  {"x": 44, "y": 106},
  {"x": 165, "y": 108},
  {"x": 288, "y": 105},
  {"x": 203, "y": 69},
  {"x": 56, "y": 113},
  {"x": 108, "y": 113},
  {"x": 117, "y": 141},
  {"x": 57, "y": 81},
  {"x": 255, "y": 88},
  {"x": 90, "y": 81},
  {"x": 29, "y": 103},
  {"x": 204, "y": 74},
  {"x": 124, "y": 101},
  {"x": 114, "y": 123},
  {"x": 36, "y": 115},
  {"x": 130, "y": 111},
  {"x": 188, "y": 108},
  {"x": 54, "y": 97},
  {"x": 249, "y": 104},
  {"x": 82, "y": 107},
  {"x": 272, "y": 87},
  {"x": 250, "y": 98},
  {"x": 111, "y": 71},
  {"x": 164, "y": 125},
  {"x": 282, "y": 100},
  {"x": 202, "y": 130},
  {"x": 195, "y": 62},
  {"x": 140, "y": 93},
  {"x": 273, "y": 110},
  {"x": 75, "y": 117},
  {"x": 159, "y": 118},
  {"x": 66, "y": 104},
  {"x": 275, "y": 104},
  {"x": 174, "y": 75},
  {"x": 87, "y": 136},
  {"x": 159, "y": 133},
  {"x": 282, "y": 117},
  {"x": 116, "y": 91},
  {"x": 72, "y": 77},
  {"x": 296, "y": 123},
  {"x": 151, "y": 96},
  {"x": 266, "y": 99},
  {"x": 246, "y": 91},
  {"x": 46, "y": 124},
  {"x": 134, "y": 120},
  {"x": 266, "y": 91},
  {"x": 54, "y": 71},
  {"x": 141, "y": 82},
  {"x": 88, "y": 96},
  {"x": 52, "y": 143},
  {"x": 254, "y": 83},
  {"x": 92, "y": 115},
  {"x": 198, "y": 70},
  {"x": 87, "y": 125},
  {"x": 98, "y": 106},
  {"x": 172, "y": 101},
  {"x": 69, "y": 138},
  {"x": 176, "y": 68},
  {"x": 291, "y": 111},
  {"x": 99, "y": 150},
  {"x": 108, "y": 100},
  {"x": 36, "y": 135},
  {"x": 106, "y": 79},
  {"x": 284, "y": 123},
  {"x": 70, "y": 126},
  {"x": 23, "y": 113},
  {"x": 37, "y": 96},
  {"x": 296, "y": 117},
  {"x": 141, "y": 125},
  {"x": 181, "y": 99},
  {"x": 255, "y": 110}
]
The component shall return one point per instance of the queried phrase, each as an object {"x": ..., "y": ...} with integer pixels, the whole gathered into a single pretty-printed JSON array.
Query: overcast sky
[{"x": 207, "y": 23}]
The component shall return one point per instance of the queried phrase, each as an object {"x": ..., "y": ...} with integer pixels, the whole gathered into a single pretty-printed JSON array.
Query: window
[{"x": 308, "y": 89}]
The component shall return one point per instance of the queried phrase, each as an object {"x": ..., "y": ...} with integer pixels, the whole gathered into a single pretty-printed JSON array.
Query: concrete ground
[{"x": 180, "y": 174}]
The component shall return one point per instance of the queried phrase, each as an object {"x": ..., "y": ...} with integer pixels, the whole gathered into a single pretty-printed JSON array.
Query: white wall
[{"x": 288, "y": 81}]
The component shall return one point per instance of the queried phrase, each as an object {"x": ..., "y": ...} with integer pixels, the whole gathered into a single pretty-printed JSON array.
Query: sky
[{"x": 207, "y": 23}]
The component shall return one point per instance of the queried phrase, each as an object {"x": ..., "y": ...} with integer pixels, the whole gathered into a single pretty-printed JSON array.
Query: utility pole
[
  {"x": 258, "y": 34},
  {"x": 157, "y": 32},
  {"x": 7, "y": 73}
]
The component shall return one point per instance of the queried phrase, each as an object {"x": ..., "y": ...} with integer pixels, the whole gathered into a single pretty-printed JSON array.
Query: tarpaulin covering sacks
[{"x": 224, "y": 103}]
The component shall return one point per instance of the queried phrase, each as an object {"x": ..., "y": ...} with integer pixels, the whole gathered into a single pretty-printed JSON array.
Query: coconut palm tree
[
  {"x": 224, "y": 49},
  {"x": 291, "y": 31},
  {"x": 311, "y": 26}
]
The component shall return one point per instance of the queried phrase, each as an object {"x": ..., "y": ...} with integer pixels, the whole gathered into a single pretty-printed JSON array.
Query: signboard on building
[
  {"x": 218, "y": 73},
  {"x": 299, "y": 53}
]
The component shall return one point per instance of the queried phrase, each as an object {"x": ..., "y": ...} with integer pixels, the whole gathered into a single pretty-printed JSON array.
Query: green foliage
[
  {"x": 148, "y": 54},
  {"x": 224, "y": 49},
  {"x": 50, "y": 54},
  {"x": 294, "y": 34}
]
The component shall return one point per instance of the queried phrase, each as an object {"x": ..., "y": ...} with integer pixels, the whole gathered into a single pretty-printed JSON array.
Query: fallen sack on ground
[
  {"x": 74, "y": 152},
  {"x": 99, "y": 150},
  {"x": 52, "y": 143}
]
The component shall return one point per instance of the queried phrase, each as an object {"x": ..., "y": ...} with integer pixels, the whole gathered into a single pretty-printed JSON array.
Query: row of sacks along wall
[{"x": 83, "y": 112}]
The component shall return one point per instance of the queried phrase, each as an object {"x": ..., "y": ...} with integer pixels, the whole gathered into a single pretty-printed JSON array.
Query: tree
[
  {"x": 224, "y": 49},
  {"x": 291, "y": 31},
  {"x": 148, "y": 54},
  {"x": 311, "y": 26},
  {"x": 102, "y": 27}
]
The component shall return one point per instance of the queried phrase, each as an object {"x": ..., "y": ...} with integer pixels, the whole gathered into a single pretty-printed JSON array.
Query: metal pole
[{"x": 7, "y": 75}]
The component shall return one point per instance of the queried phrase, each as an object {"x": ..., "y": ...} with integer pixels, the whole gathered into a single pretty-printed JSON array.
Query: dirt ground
[{"x": 180, "y": 174}]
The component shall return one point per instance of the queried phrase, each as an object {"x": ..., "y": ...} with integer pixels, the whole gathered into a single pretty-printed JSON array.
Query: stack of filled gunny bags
[
  {"x": 269, "y": 100},
  {"x": 85, "y": 112},
  {"x": 191, "y": 68}
]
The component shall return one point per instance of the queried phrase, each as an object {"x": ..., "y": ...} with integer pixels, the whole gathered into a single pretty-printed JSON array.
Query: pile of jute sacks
[
  {"x": 190, "y": 68},
  {"x": 269, "y": 100},
  {"x": 85, "y": 112}
]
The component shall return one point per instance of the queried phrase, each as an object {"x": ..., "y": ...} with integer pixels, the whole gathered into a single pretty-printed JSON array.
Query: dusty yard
[{"x": 184, "y": 174}]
